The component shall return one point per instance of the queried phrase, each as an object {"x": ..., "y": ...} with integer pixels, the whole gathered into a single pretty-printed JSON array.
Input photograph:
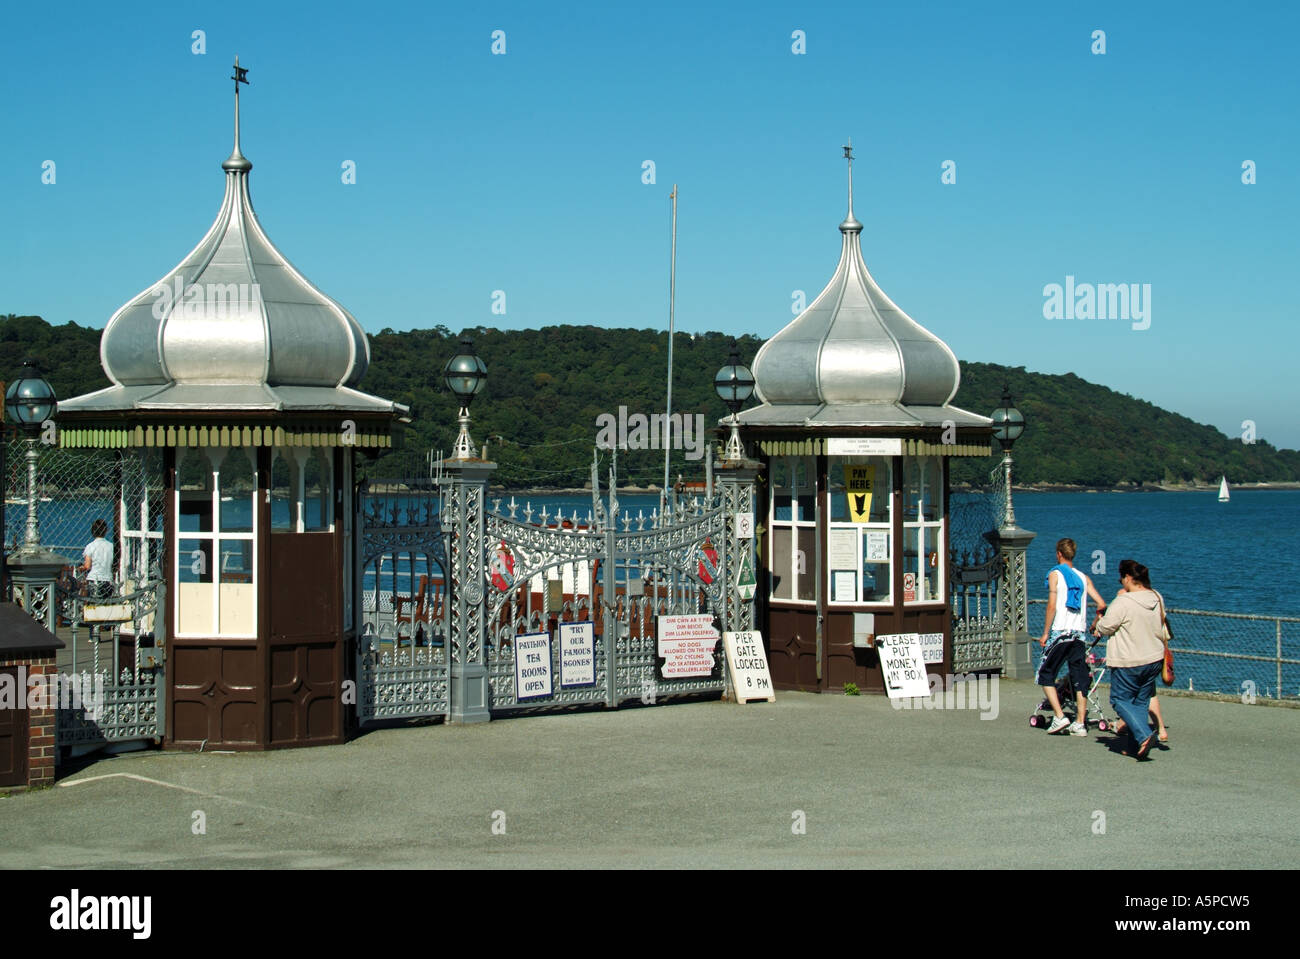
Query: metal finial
[
  {"x": 237, "y": 160},
  {"x": 850, "y": 224}
]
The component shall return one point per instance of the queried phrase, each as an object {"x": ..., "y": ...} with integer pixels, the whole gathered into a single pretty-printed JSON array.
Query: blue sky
[{"x": 523, "y": 172}]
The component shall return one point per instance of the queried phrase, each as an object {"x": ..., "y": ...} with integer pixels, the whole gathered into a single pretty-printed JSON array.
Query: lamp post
[
  {"x": 735, "y": 384},
  {"x": 1008, "y": 424},
  {"x": 1013, "y": 546},
  {"x": 30, "y": 402},
  {"x": 464, "y": 375},
  {"x": 464, "y": 485},
  {"x": 32, "y": 569}
]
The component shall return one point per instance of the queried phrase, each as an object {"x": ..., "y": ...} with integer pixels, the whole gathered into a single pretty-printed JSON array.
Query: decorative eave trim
[
  {"x": 816, "y": 446},
  {"x": 365, "y": 435}
]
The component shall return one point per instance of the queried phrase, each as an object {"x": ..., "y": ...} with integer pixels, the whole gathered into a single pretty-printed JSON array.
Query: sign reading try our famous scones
[
  {"x": 686, "y": 646},
  {"x": 577, "y": 654}
]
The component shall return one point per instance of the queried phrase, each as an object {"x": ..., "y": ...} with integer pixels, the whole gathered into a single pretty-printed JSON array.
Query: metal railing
[{"x": 1245, "y": 654}]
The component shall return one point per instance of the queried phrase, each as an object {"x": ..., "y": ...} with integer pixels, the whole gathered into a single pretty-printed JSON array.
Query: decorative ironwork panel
[
  {"x": 977, "y": 616},
  {"x": 35, "y": 598},
  {"x": 125, "y": 710},
  {"x": 118, "y": 695},
  {"x": 738, "y": 497},
  {"x": 402, "y": 683},
  {"x": 402, "y": 665},
  {"x": 463, "y": 518}
]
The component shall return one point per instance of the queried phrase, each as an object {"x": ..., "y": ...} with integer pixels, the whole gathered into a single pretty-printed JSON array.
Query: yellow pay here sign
[{"x": 859, "y": 481}]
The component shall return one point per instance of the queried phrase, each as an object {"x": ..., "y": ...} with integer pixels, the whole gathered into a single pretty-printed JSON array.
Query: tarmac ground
[{"x": 807, "y": 781}]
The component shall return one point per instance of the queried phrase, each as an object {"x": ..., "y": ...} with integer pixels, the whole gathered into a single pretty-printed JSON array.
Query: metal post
[
  {"x": 33, "y": 537},
  {"x": 672, "y": 298},
  {"x": 735, "y": 480},
  {"x": 1013, "y": 600},
  {"x": 1009, "y": 518},
  {"x": 466, "y": 484},
  {"x": 610, "y": 562}
]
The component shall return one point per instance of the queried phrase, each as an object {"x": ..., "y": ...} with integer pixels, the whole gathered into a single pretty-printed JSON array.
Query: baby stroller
[{"x": 1042, "y": 716}]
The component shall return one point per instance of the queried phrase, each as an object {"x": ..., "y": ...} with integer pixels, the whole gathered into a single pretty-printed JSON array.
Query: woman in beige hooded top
[{"x": 1135, "y": 653}]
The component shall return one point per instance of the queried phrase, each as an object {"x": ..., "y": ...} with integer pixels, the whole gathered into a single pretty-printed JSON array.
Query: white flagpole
[{"x": 672, "y": 296}]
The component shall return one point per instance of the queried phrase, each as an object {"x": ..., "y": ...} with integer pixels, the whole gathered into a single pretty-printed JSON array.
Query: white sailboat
[{"x": 1223, "y": 489}]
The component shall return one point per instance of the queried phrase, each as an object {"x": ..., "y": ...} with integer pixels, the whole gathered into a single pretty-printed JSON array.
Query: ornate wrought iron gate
[
  {"x": 443, "y": 608},
  {"x": 613, "y": 570},
  {"x": 113, "y": 689},
  {"x": 977, "y": 617},
  {"x": 401, "y": 602},
  {"x": 978, "y": 606}
]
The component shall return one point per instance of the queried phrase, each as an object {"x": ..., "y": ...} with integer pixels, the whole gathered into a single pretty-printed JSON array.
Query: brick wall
[{"x": 42, "y": 752}]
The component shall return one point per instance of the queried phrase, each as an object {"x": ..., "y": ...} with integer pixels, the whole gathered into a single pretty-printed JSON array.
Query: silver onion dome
[
  {"x": 854, "y": 346},
  {"x": 234, "y": 311}
]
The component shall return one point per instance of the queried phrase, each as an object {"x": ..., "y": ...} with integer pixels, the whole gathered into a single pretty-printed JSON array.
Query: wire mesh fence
[
  {"x": 74, "y": 488},
  {"x": 1238, "y": 654}
]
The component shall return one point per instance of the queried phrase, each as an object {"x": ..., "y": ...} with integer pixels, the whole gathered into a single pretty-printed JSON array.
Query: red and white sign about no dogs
[
  {"x": 748, "y": 664},
  {"x": 686, "y": 645}
]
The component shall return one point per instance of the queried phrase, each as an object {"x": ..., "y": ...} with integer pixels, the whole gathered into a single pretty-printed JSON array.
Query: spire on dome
[
  {"x": 852, "y": 349},
  {"x": 237, "y": 162},
  {"x": 235, "y": 311},
  {"x": 850, "y": 224}
]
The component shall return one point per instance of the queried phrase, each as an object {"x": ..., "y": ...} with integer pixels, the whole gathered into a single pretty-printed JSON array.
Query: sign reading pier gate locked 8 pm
[{"x": 745, "y": 657}]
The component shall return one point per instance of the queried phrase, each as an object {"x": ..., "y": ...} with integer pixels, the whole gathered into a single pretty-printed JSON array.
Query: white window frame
[
  {"x": 836, "y": 464},
  {"x": 296, "y": 457},
  {"x": 215, "y": 455},
  {"x": 795, "y": 523},
  {"x": 918, "y": 528},
  {"x": 141, "y": 532}
]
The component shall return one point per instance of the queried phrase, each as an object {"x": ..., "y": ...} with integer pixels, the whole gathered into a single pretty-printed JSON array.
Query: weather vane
[{"x": 237, "y": 160}]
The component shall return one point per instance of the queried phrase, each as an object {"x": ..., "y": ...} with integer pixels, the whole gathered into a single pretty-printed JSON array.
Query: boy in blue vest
[{"x": 1063, "y": 639}]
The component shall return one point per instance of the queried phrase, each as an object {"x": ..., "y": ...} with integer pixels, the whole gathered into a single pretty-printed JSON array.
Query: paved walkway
[{"x": 697, "y": 785}]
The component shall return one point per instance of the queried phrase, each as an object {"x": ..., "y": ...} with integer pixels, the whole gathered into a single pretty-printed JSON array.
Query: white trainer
[
  {"x": 1078, "y": 729},
  {"x": 1058, "y": 723}
]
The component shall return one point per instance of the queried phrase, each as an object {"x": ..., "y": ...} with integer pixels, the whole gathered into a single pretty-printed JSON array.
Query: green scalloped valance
[
  {"x": 817, "y": 446},
  {"x": 363, "y": 436}
]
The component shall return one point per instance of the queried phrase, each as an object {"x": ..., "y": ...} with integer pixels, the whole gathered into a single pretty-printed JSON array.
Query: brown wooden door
[
  {"x": 13, "y": 732},
  {"x": 306, "y": 641}
]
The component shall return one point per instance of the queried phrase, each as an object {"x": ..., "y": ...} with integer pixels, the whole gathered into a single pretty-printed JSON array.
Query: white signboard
[
  {"x": 900, "y": 662},
  {"x": 878, "y": 545},
  {"x": 577, "y": 654},
  {"x": 532, "y": 665},
  {"x": 744, "y": 526},
  {"x": 864, "y": 446},
  {"x": 748, "y": 664},
  {"x": 686, "y": 645},
  {"x": 844, "y": 586},
  {"x": 843, "y": 552},
  {"x": 932, "y": 647}
]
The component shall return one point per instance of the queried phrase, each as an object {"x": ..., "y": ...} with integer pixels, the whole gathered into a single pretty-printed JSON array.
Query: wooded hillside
[{"x": 546, "y": 388}]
